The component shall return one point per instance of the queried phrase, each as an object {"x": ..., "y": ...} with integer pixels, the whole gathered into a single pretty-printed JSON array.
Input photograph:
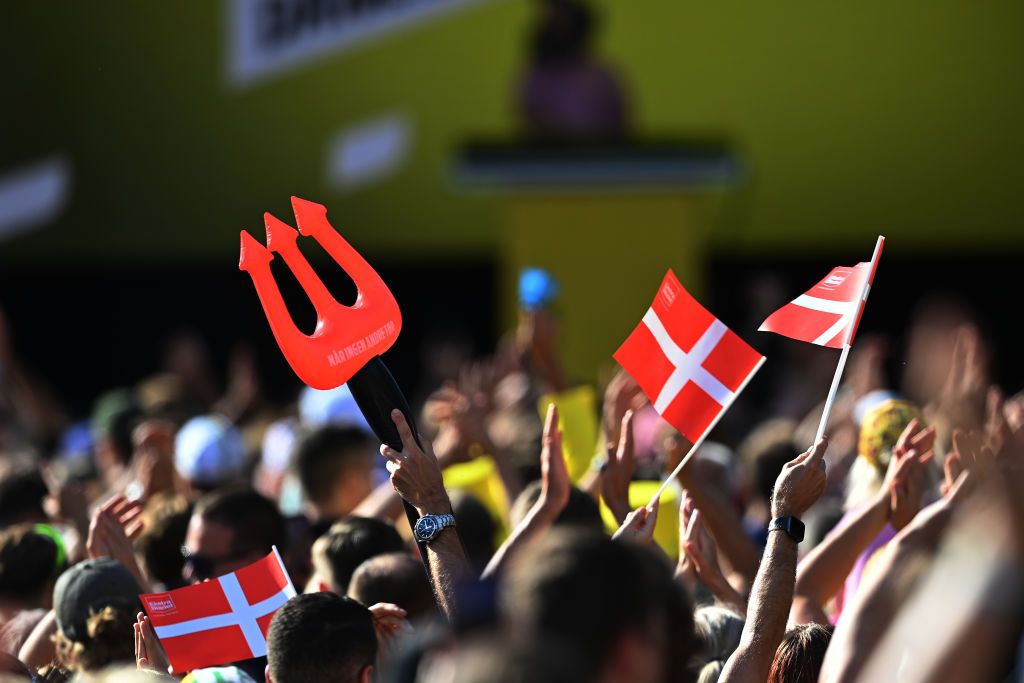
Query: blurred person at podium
[{"x": 567, "y": 93}]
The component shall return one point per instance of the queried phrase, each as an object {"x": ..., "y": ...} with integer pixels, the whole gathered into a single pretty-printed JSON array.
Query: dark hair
[
  {"x": 563, "y": 31},
  {"x": 398, "y": 578},
  {"x": 322, "y": 455},
  {"x": 350, "y": 542},
  {"x": 255, "y": 522},
  {"x": 22, "y": 492},
  {"x": 320, "y": 637},
  {"x": 800, "y": 654},
  {"x": 581, "y": 511},
  {"x": 28, "y": 563},
  {"x": 164, "y": 533},
  {"x": 476, "y": 529},
  {"x": 588, "y": 590},
  {"x": 765, "y": 451}
]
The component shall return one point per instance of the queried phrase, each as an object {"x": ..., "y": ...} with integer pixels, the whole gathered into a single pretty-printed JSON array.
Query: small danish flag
[
  {"x": 828, "y": 313},
  {"x": 222, "y": 621},
  {"x": 687, "y": 361}
]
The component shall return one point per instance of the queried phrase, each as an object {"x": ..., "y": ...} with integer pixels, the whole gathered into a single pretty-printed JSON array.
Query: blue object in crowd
[{"x": 537, "y": 288}]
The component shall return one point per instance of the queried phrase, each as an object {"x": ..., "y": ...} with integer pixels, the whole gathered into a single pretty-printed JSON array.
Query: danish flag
[
  {"x": 830, "y": 310},
  {"x": 687, "y": 361},
  {"x": 222, "y": 621}
]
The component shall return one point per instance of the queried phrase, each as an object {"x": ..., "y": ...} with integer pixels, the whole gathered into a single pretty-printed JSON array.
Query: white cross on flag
[
  {"x": 222, "y": 621},
  {"x": 824, "y": 314},
  {"x": 687, "y": 361}
]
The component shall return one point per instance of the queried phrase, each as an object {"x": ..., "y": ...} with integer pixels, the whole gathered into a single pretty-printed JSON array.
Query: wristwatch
[
  {"x": 791, "y": 525},
  {"x": 429, "y": 526}
]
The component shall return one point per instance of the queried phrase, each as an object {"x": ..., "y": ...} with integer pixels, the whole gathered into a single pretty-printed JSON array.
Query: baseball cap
[
  {"x": 334, "y": 406},
  {"x": 87, "y": 588},
  {"x": 209, "y": 451}
]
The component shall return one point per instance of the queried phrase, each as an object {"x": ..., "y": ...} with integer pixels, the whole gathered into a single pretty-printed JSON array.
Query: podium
[{"x": 607, "y": 221}]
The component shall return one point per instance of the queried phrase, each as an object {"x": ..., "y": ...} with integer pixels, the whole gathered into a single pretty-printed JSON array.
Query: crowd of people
[{"x": 901, "y": 559}]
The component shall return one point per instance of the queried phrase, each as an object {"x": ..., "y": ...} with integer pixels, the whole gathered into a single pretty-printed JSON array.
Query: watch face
[{"x": 427, "y": 528}]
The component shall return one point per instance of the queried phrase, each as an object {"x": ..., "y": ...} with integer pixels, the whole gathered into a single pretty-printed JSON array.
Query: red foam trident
[{"x": 346, "y": 337}]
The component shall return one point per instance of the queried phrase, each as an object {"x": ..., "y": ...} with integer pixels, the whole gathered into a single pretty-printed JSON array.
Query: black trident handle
[{"x": 377, "y": 393}]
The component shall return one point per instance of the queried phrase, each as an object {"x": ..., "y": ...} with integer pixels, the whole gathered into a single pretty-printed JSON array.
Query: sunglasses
[{"x": 202, "y": 567}]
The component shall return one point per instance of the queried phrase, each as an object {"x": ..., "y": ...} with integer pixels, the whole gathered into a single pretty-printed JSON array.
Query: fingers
[
  {"x": 693, "y": 529},
  {"x": 815, "y": 455},
  {"x": 551, "y": 432},
  {"x": 404, "y": 431},
  {"x": 903, "y": 443},
  {"x": 625, "y": 452},
  {"x": 390, "y": 453}
]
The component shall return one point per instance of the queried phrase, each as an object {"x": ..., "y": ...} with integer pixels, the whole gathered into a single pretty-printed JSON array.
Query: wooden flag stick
[
  {"x": 848, "y": 342},
  {"x": 697, "y": 444}
]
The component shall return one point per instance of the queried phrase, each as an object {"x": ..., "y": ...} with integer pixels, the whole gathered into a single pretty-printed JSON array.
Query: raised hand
[
  {"x": 149, "y": 654},
  {"x": 639, "y": 524},
  {"x": 415, "y": 473},
  {"x": 555, "y": 483},
  {"x": 905, "y": 479},
  {"x": 618, "y": 470},
  {"x": 113, "y": 528},
  {"x": 702, "y": 555},
  {"x": 801, "y": 482},
  {"x": 389, "y": 621}
]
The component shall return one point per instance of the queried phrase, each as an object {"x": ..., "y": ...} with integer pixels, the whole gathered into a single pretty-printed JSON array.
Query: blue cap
[
  {"x": 208, "y": 450},
  {"x": 537, "y": 288},
  {"x": 334, "y": 406}
]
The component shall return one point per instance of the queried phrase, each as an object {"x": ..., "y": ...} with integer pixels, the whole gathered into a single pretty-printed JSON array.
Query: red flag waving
[
  {"x": 825, "y": 313},
  {"x": 687, "y": 361},
  {"x": 222, "y": 621}
]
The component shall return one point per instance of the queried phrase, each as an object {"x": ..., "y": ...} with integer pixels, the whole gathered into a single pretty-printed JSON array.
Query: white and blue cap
[
  {"x": 331, "y": 407},
  {"x": 209, "y": 451}
]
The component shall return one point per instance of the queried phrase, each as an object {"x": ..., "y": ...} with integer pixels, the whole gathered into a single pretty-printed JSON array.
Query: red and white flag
[
  {"x": 221, "y": 621},
  {"x": 828, "y": 311},
  {"x": 687, "y": 361}
]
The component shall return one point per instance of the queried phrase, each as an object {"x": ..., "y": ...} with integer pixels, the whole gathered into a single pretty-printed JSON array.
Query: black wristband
[{"x": 793, "y": 527}]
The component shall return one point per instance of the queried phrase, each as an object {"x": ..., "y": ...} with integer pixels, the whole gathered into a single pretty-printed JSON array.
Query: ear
[
  {"x": 266, "y": 673},
  {"x": 366, "y": 676},
  {"x": 324, "y": 588}
]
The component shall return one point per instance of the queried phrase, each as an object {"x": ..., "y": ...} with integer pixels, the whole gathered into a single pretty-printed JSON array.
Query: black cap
[{"x": 87, "y": 588}]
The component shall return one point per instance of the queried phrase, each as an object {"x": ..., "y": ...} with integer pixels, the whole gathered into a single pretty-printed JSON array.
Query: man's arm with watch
[
  {"x": 416, "y": 477},
  {"x": 800, "y": 483}
]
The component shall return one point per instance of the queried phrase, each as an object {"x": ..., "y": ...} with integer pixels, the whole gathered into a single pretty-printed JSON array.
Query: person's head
[
  {"x": 764, "y": 452},
  {"x": 880, "y": 429},
  {"x": 335, "y": 468},
  {"x": 22, "y": 492},
  {"x": 321, "y": 638},
  {"x": 496, "y": 659},
  {"x": 717, "y": 632},
  {"x": 476, "y": 527},
  {"x": 95, "y": 603},
  {"x": 228, "y": 530},
  {"x": 166, "y": 522},
  {"x": 29, "y": 564},
  {"x": 581, "y": 511},
  {"x": 209, "y": 453},
  {"x": 349, "y": 543},
  {"x": 114, "y": 416},
  {"x": 614, "y": 602},
  {"x": 800, "y": 654},
  {"x": 398, "y": 578},
  {"x": 563, "y": 32}
]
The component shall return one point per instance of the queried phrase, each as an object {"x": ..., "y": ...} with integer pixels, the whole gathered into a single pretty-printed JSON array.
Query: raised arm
[
  {"x": 799, "y": 484},
  {"x": 821, "y": 574},
  {"x": 554, "y": 496},
  {"x": 416, "y": 476}
]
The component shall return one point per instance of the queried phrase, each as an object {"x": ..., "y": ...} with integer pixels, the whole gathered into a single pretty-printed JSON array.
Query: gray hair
[{"x": 718, "y": 632}]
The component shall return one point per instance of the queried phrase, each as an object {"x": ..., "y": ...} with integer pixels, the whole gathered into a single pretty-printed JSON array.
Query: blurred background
[{"x": 750, "y": 148}]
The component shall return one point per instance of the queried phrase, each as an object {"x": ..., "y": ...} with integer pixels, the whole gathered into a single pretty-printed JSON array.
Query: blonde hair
[
  {"x": 110, "y": 632},
  {"x": 718, "y": 631}
]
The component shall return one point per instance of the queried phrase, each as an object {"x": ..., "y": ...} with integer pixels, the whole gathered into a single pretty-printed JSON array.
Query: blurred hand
[
  {"x": 154, "y": 457},
  {"x": 555, "y": 485},
  {"x": 66, "y": 502},
  {"x": 618, "y": 470},
  {"x": 801, "y": 482},
  {"x": 113, "y": 528},
  {"x": 389, "y": 621},
  {"x": 639, "y": 524},
  {"x": 905, "y": 479},
  {"x": 622, "y": 394},
  {"x": 415, "y": 473},
  {"x": 969, "y": 454},
  {"x": 962, "y": 398}
]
